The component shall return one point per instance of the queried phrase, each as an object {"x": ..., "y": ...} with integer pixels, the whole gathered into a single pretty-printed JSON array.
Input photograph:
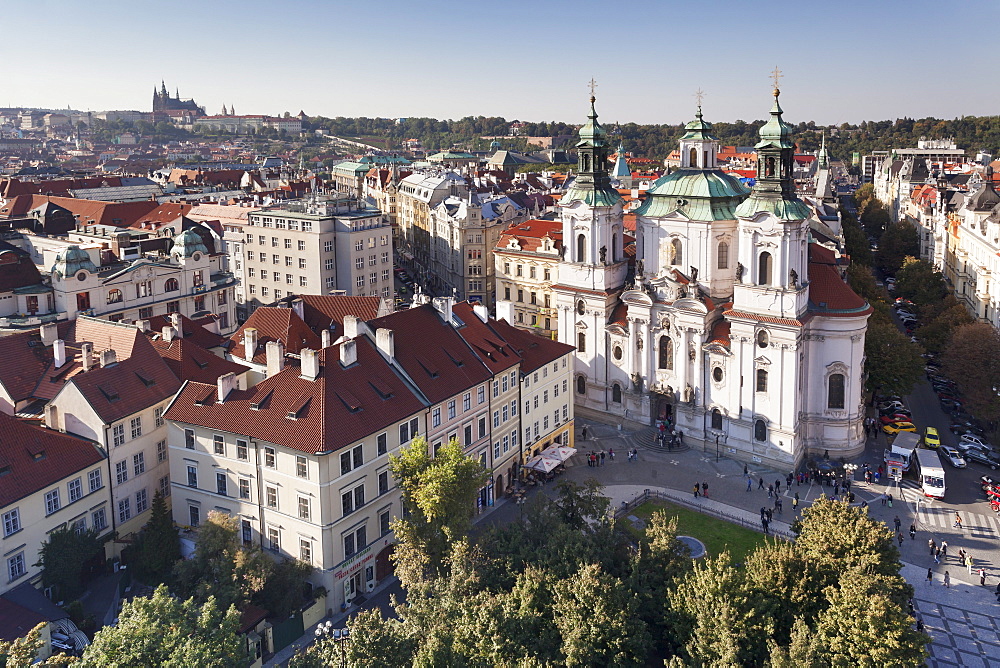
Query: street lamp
[
  {"x": 326, "y": 631},
  {"x": 520, "y": 506},
  {"x": 716, "y": 448}
]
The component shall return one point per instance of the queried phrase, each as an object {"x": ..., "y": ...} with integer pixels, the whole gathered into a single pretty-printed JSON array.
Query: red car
[{"x": 898, "y": 417}]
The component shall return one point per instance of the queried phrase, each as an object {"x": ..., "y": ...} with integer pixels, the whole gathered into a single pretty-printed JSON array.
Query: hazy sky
[{"x": 848, "y": 60}]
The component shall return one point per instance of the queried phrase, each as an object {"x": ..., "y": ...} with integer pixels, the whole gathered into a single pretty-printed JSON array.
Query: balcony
[{"x": 32, "y": 321}]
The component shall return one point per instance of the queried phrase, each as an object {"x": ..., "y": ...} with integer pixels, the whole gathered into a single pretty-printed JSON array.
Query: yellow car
[
  {"x": 931, "y": 438},
  {"x": 894, "y": 428}
]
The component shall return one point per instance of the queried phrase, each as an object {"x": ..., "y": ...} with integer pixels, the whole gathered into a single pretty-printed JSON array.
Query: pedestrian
[
  {"x": 969, "y": 562},
  {"x": 777, "y": 485},
  {"x": 764, "y": 522},
  {"x": 763, "y": 513},
  {"x": 899, "y": 537},
  {"x": 884, "y": 497},
  {"x": 704, "y": 489},
  {"x": 788, "y": 481},
  {"x": 944, "y": 548},
  {"x": 836, "y": 487},
  {"x": 897, "y": 522},
  {"x": 913, "y": 532},
  {"x": 680, "y": 437},
  {"x": 602, "y": 457},
  {"x": 777, "y": 504},
  {"x": 749, "y": 484},
  {"x": 878, "y": 475},
  {"x": 696, "y": 488},
  {"x": 930, "y": 576},
  {"x": 769, "y": 514},
  {"x": 931, "y": 545},
  {"x": 585, "y": 432},
  {"x": 795, "y": 501},
  {"x": 982, "y": 577},
  {"x": 937, "y": 555},
  {"x": 920, "y": 626},
  {"x": 961, "y": 556},
  {"x": 746, "y": 471},
  {"x": 958, "y": 521},
  {"x": 770, "y": 491},
  {"x": 761, "y": 484},
  {"x": 889, "y": 499},
  {"x": 611, "y": 454},
  {"x": 947, "y": 579}
]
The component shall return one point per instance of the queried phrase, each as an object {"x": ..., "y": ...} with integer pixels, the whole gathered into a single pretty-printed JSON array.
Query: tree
[
  {"x": 899, "y": 241},
  {"x": 159, "y": 546},
  {"x": 972, "y": 360},
  {"x": 941, "y": 319},
  {"x": 284, "y": 590},
  {"x": 23, "y": 652},
  {"x": 918, "y": 281},
  {"x": 861, "y": 280},
  {"x": 164, "y": 631},
  {"x": 892, "y": 362},
  {"x": 581, "y": 504},
  {"x": 63, "y": 558}
]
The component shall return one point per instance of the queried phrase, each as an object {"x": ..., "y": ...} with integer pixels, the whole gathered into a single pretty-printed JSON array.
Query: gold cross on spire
[
  {"x": 776, "y": 74},
  {"x": 699, "y": 95},
  {"x": 593, "y": 85}
]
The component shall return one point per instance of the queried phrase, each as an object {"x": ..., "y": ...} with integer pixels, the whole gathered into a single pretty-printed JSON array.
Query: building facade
[{"x": 527, "y": 258}]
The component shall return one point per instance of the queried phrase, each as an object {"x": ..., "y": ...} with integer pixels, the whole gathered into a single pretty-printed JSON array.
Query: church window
[
  {"x": 761, "y": 380},
  {"x": 764, "y": 269},
  {"x": 835, "y": 391},
  {"x": 769, "y": 166},
  {"x": 585, "y": 163},
  {"x": 616, "y": 393},
  {"x": 666, "y": 356},
  {"x": 114, "y": 296},
  {"x": 759, "y": 430},
  {"x": 762, "y": 339},
  {"x": 718, "y": 374},
  {"x": 581, "y": 342},
  {"x": 614, "y": 247},
  {"x": 171, "y": 285},
  {"x": 581, "y": 385},
  {"x": 678, "y": 252},
  {"x": 581, "y": 244},
  {"x": 617, "y": 353},
  {"x": 580, "y": 307},
  {"x": 693, "y": 157},
  {"x": 723, "y": 255},
  {"x": 716, "y": 419}
]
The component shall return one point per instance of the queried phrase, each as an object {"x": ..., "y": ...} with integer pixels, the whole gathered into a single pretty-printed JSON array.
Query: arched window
[
  {"x": 666, "y": 356},
  {"x": 835, "y": 391},
  {"x": 114, "y": 296},
  {"x": 693, "y": 157},
  {"x": 614, "y": 247},
  {"x": 171, "y": 285},
  {"x": 759, "y": 430},
  {"x": 581, "y": 342},
  {"x": 762, "y": 380},
  {"x": 581, "y": 384},
  {"x": 581, "y": 247},
  {"x": 616, "y": 393},
  {"x": 678, "y": 249},
  {"x": 581, "y": 307},
  {"x": 764, "y": 269},
  {"x": 769, "y": 167},
  {"x": 723, "y": 255},
  {"x": 716, "y": 419},
  {"x": 585, "y": 163}
]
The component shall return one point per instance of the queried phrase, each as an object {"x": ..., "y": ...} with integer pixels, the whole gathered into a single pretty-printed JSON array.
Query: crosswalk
[{"x": 938, "y": 514}]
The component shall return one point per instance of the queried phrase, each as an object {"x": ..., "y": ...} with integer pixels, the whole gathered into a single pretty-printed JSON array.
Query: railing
[{"x": 649, "y": 494}]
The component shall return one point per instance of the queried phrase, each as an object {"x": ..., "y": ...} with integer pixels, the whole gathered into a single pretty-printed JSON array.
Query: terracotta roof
[
  {"x": 274, "y": 324},
  {"x": 830, "y": 296},
  {"x": 25, "y": 360},
  {"x": 763, "y": 318},
  {"x": 90, "y": 212},
  {"x": 432, "y": 353},
  {"x": 530, "y": 233},
  {"x": 495, "y": 353},
  {"x": 720, "y": 332},
  {"x": 341, "y": 407},
  {"x": 161, "y": 215},
  {"x": 16, "y": 269},
  {"x": 619, "y": 315},
  {"x": 190, "y": 361},
  {"x": 59, "y": 187},
  {"x": 819, "y": 254},
  {"x": 16, "y": 621},
  {"x": 250, "y": 617},
  {"x": 535, "y": 351},
  {"x": 38, "y": 457},
  {"x": 328, "y": 311},
  {"x": 195, "y": 330}
]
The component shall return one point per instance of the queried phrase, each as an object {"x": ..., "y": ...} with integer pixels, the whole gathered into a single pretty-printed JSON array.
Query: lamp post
[
  {"x": 716, "y": 447},
  {"x": 520, "y": 507},
  {"x": 326, "y": 631}
]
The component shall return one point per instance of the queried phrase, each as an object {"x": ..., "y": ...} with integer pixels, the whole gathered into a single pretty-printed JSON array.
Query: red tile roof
[
  {"x": 16, "y": 621},
  {"x": 341, "y": 407},
  {"x": 619, "y": 315},
  {"x": 274, "y": 324},
  {"x": 830, "y": 296},
  {"x": 195, "y": 330},
  {"x": 535, "y": 351},
  {"x": 495, "y": 353},
  {"x": 530, "y": 233},
  {"x": 792, "y": 322},
  {"x": 25, "y": 360},
  {"x": 190, "y": 361},
  {"x": 38, "y": 457},
  {"x": 328, "y": 311},
  {"x": 90, "y": 212},
  {"x": 17, "y": 270},
  {"x": 720, "y": 332}
]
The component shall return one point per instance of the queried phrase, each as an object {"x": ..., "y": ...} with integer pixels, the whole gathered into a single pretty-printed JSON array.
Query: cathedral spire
[
  {"x": 593, "y": 183},
  {"x": 823, "y": 159}
]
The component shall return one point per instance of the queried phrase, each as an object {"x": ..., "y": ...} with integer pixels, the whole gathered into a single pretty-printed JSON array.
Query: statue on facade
[
  {"x": 688, "y": 394},
  {"x": 793, "y": 278},
  {"x": 639, "y": 267},
  {"x": 739, "y": 271},
  {"x": 694, "y": 273},
  {"x": 637, "y": 382},
  {"x": 604, "y": 254}
]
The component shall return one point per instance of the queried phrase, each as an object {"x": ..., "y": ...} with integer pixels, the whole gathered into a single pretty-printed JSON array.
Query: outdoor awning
[
  {"x": 542, "y": 463},
  {"x": 560, "y": 452}
]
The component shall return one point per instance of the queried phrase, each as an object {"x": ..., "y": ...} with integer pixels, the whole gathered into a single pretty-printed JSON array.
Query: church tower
[{"x": 594, "y": 268}]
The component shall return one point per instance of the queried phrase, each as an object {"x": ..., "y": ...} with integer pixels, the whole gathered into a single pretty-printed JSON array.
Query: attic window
[
  {"x": 38, "y": 456},
  {"x": 298, "y": 407},
  {"x": 109, "y": 392},
  {"x": 203, "y": 398},
  {"x": 428, "y": 367},
  {"x": 457, "y": 362},
  {"x": 201, "y": 365},
  {"x": 381, "y": 387},
  {"x": 257, "y": 403},
  {"x": 146, "y": 379},
  {"x": 4, "y": 470},
  {"x": 350, "y": 402}
]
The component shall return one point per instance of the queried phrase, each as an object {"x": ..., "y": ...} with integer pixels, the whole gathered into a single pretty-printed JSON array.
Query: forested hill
[{"x": 657, "y": 141}]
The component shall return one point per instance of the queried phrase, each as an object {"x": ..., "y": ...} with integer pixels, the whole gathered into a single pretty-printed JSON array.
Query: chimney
[
  {"x": 175, "y": 320},
  {"x": 325, "y": 337},
  {"x": 275, "y": 351},
  {"x": 444, "y": 306},
  {"x": 49, "y": 333},
  {"x": 481, "y": 311},
  {"x": 51, "y": 416},
  {"x": 249, "y": 343},
  {"x": 225, "y": 384},
  {"x": 87, "y": 355},
  {"x": 59, "y": 352},
  {"x": 348, "y": 352},
  {"x": 386, "y": 342},
  {"x": 351, "y": 326},
  {"x": 168, "y": 333},
  {"x": 108, "y": 358},
  {"x": 299, "y": 307},
  {"x": 143, "y": 325},
  {"x": 309, "y": 363}
]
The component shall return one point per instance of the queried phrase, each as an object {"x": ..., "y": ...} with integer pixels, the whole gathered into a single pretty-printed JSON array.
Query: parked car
[
  {"x": 948, "y": 405},
  {"x": 985, "y": 457},
  {"x": 896, "y": 411},
  {"x": 886, "y": 405},
  {"x": 895, "y": 427},
  {"x": 972, "y": 439},
  {"x": 952, "y": 456},
  {"x": 895, "y": 417},
  {"x": 931, "y": 438}
]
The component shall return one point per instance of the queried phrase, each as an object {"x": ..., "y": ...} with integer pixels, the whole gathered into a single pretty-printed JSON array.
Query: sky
[{"x": 531, "y": 60}]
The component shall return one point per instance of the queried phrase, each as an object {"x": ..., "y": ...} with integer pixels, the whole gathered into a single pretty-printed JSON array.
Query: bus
[{"x": 931, "y": 473}]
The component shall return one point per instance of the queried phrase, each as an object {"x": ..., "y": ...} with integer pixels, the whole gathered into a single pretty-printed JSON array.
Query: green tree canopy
[
  {"x": 23, "y": 652},
  {"x": 919, "y": 282},
  {"x": 159, "y": 545},
  {"x": 63, "y": 558},
  {"x": 892, "y": 362},
  {"x": 899, "y": 241},
  {"x": 972, "y": 360}
]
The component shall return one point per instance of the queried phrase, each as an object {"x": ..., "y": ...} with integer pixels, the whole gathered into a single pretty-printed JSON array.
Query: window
[
  {"x": 717, "y": 374},
  {"x": 221, "y": 484},
  {"x": 359, "y": 245},
  {"x": 360, "y": 282},
  {"x": 353, "y": 499},
  {"x": 192, "y": 475},
  {"x": 173, "y": 307},
  {"x": 581, "y": 385},
  {"x": 451, "y": 409},
  {"x": 666, "y": 353},
  {"x": 764, "y": 269},
  {"x": 373, "y": 278},
  {"x": 99, "y": 519},
  {"x": 244, "y": 488},
  {"x": 436, "y": 417},
  {"x": 513, "y": 407},
  {"x": 496, "y": 419},
  {"x": 79, "y": 525},
  {"x": 242, "y": 452},
  {"x": 301, "y": 245},
  {"x": 505, "y": 414},
  {"x": 139, "y": 463},
  {"x": 835, "y": 391},
  {"x": 273, "y": 539},
  {"x": 481, "y": 394},
  {"x": 467, "y": 401},
  {"x": 264, "y": 291},
  {"x": 303, "y": 508},
  {"x": 716, "y": 419},
  {"x": 328, "y": 246},
  {"x": 75, "y": 489},
  {"x": 761, "y": 380},
  {"x": 269, "y": 457},
  {"x": 124, "y": 511},
  {"x": 118, "y": 434},
  {"x": 723, "y": 262},
  {"x": 143, "y": 289},
  {"x": 16, "y": 566},
  {"x": 383, "y": 482},
  {"x": 165, "y": 486},
  {"x": 171, "y": 285},
  {"x": 219, "y": 444},
  {"x": 581, "y": 342},
  {"x": 121, "y": 472},
  {"x": 351, "y": 459},
  {"x": 762, "y": 339},
  {"x": 301, "y": 467},
  {"x": 616, "y": 393},
  {"x": 94, "y": 478},
  {"x": 158, "y": 416},
  {"x": 11, "y": 522},
  {"x": 302, "y": 263},
  {"x": 482, "y": 426},
  {"x": 385, "y": 257},
  {"x": 581, "y": 248},
  {"x": 274, "y": 242},
  {"x": 355, "y": 540},
  {"x": 141, "y": 501},
  {"x": 189, "y": 439},
  {"x": 381, "y": 444},
  {"x": 305, "y": 550},
  {"x": 678, "y": 252},
  {"x": 760, "y": 430},
  {"x": 271, "y": 496},
  {"x": 383, "y": 522},
  {"x": 408, "y": 431}
]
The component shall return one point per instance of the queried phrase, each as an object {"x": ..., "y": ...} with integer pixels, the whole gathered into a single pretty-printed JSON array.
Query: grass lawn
[{"x": 717, "y": 535}]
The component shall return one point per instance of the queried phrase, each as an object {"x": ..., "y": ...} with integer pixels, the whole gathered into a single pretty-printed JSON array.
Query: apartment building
[
  {"x": 48, "y": 481},
  {"x": 417, "y": 195},
  {"x": 301, "y": 459},
  {"x": 527, "y": 258},
  {"x": 316, "y": 245}
]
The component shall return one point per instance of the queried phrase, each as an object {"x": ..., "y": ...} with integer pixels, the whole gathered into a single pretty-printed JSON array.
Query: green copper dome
[
  {"x": 698, "y": 194},
  {"x": 187, "y": 243},
  {"x": 698, "y": 129},
  {"x": 592, "y": 134},
  {"x": 776, "y": 132},
  {"x": 71, "y": 261}
]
